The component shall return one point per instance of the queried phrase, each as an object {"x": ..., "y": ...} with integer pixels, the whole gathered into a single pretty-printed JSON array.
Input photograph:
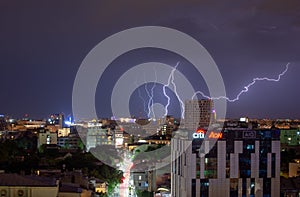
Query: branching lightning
[
  {"x": 149, "y": 101},
  {"x": 246, "y": 88},
  {"x": 144, "y": 102},
  {"x": 172, "y": 82},
  {"x": 165, "y": 93},
  {"x": 151, "y": 95}
]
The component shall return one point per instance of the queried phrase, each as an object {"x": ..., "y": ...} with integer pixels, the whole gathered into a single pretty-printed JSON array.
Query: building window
[
  {"x": 198, "y": 168},
  {"x": 20, "y": 192},
  {"x": 252, "y": 187},
  {"x": 233, "y": 187},
  {"x": 204, "y": 187},
  {"x": 210, "y": 168},
  {"x": 193, "y": 187},
  {"x": 48, "y": 139},
  {"x": 267, "y": 187},
  {"x": 250, "y": 147},
  {"x": 273, "y": 169},
  {"x": 3, "y": 193}
]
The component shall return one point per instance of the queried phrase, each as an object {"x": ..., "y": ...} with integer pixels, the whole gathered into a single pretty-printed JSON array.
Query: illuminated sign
[
  {"x": 249, "y": 134},
  {"x": 200, "y": 134},
  {"x": 215, "y": 135},
  {"x": 119, "y": 135},
  {"x": 119, "y": 142}
]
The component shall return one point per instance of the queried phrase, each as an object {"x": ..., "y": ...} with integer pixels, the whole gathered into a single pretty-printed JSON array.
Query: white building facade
[{"x": 242, "y": 163}]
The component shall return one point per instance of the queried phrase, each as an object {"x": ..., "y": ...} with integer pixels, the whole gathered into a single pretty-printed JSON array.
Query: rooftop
[{"x": 19, "y": 180}]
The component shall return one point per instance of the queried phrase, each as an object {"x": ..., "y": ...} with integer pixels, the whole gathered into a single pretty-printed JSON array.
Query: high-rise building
[
  {"x": 57, "y": 119},
  {"x": 171, "y": 124},
  {"x": 242, "y": 162},
  {"x": 198, "y": 114},
  {"x": 3, "y": 123},
  {"x": 96, "y": 136}
]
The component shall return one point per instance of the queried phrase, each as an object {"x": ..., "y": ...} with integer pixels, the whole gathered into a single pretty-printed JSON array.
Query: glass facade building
[{"x": 241, "y": 162}]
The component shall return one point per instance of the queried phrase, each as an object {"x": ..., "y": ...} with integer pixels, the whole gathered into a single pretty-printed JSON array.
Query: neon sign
[
  {"x": 215, "y": 135},
  {"x": 200, "y": 134}
]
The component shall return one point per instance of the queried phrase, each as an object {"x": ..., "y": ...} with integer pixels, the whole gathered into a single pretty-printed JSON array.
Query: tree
[
  {"x": 144, "y": 193},
  {"x": 112, "y": 176}
]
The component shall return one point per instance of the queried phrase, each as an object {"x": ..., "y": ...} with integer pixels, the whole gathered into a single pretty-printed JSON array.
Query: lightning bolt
[
  {"x": 166, "y": 95},
  {"x": 246, "y": 88},
  {"x": 171, "y": 81},
  {"x": 142, "y": 98},
  {"x": 149, "y": 101},
  {"x": 150, "y": 95}
]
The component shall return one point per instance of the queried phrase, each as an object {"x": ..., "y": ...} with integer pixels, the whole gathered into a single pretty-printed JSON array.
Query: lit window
[
  {"x": 3, "y": 192},
  {"x": 48, "y": 139}
]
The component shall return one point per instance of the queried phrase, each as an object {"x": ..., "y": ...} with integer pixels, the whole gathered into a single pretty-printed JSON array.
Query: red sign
[
  {"x": 215, "y": 135},
  {"x": 200, "y": 131}
]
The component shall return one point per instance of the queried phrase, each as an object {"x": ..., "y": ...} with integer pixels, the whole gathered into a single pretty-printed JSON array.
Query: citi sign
[{"x": 199, "y": 134}]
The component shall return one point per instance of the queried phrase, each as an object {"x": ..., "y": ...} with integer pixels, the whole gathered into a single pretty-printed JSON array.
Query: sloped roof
[{"x": 70, "y": 188}]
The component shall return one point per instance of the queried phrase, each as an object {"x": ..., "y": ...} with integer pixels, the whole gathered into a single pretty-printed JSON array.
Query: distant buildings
[
  {"x": 118, "y": 137},
  {"x": 140, "y": 180},
  {"x": 290, "y": 187},
  {"x": 63, "y": 132},
  {"x": 69, "y": 142},
  {"x": 47, "y": 138},
  {"x": 198, "y": 114},
  {"x": 57, "y": 119},
  {"x": 73, "y": 190},
  {"x": 290, "y": 137},
  {"x": 245, "y": 160},
  {"x": 3, "y": 123},
  {"x": 171, "y": 124},
  {"x": 294, "y": 169},
  {"x": 242, "y": 162},
  {"x": 96, "y": 136}
]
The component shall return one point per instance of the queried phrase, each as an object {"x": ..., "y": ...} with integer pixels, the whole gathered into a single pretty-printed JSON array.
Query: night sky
[{"x": 42, "y": 44}]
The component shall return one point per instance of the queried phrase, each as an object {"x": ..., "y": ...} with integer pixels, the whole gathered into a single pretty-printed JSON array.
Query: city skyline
[{"x": 150, "y": 98}]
